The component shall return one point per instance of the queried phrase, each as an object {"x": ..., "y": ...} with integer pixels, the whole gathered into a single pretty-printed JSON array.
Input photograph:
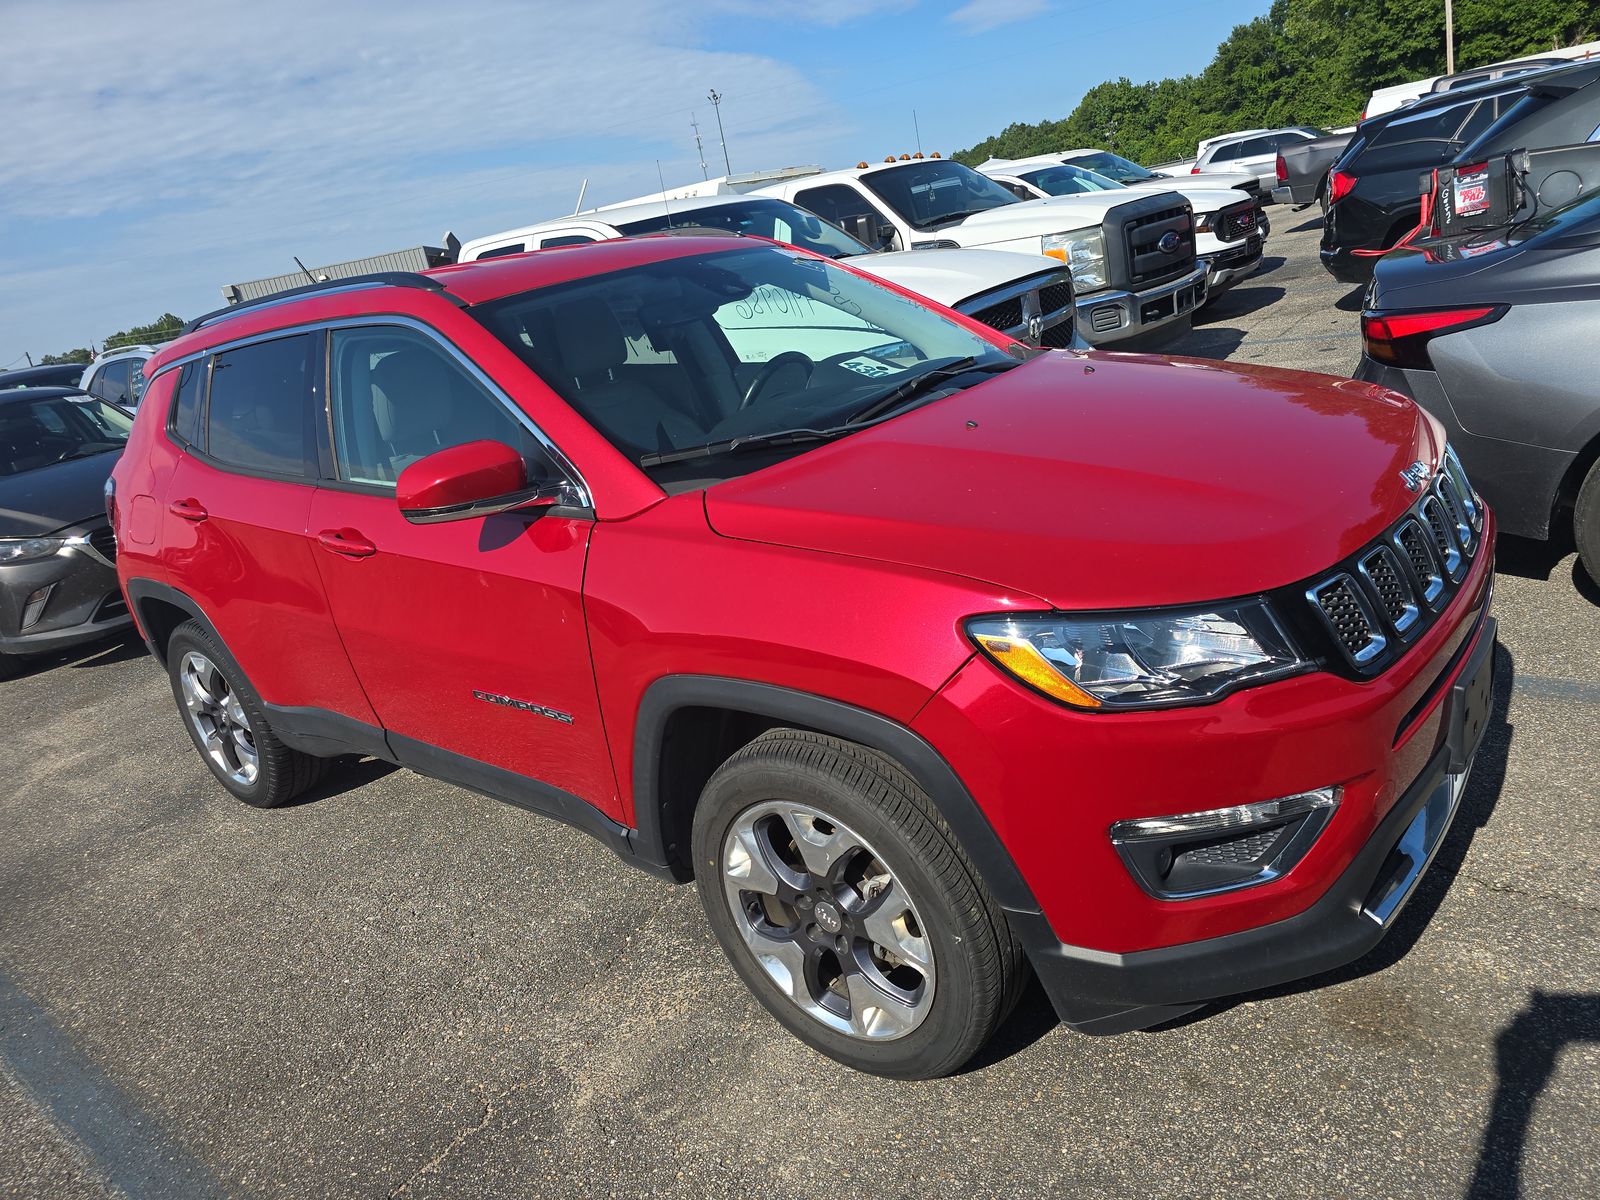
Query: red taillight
[
  {"x": 1283, "y": 170},
  {"x": 1400, "y": 339},
  {"x": 1195, "y": 170},
  {"x": 1339, "y": 185}
]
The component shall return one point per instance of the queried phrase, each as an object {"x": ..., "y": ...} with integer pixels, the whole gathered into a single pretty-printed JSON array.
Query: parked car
[
  {"x": 1256, "y": 154},
  {"x": 1492, "y": 331},
  {"x": 1230, "y": 228},
  {"x": 55, "y": 375},
  {"x": 1114, "y": 166},
  {"x": 1303, "y": 168},
  {"x": 1374, "y": 194},
  {"x": 1132, "y": 281},
  {"x": 117, "y": 375},
  {"x": 1387, "y": 99},
  {"x": 1028, "y": 297},
  {"x": 908, "y": 644},
  {"x": 58, "y": 582}
]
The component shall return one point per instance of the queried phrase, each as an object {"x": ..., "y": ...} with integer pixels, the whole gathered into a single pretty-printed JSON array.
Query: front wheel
[
  {"x": 1586, "y": 523},
  {"x": 843, "y": 901}
]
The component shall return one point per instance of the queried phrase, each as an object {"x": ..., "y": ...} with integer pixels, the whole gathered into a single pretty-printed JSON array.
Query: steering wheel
[{"x": 765, "y": 376}]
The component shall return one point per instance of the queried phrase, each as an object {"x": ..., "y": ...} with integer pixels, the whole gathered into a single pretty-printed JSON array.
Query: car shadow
[
  {"x": 1269, "y": 264},
  {"x": 1240, "y": 302},
  {"x": 348, "y": 773},
  {"x": 1526, "y": 1053},
  {"x": 1312, "y": 222},
  {"x": 1351, "y": 301},
  {"x": 1527, "y": 558},
  {"x": 116, "y": 648},
  {"x": 1208, "y": 341}
]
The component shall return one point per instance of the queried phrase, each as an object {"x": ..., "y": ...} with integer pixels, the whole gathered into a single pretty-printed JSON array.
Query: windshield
[
  {"x": 775, "y": 219},
  {"x": 1069, "y": 181},
  {"x": 743, "y": 344},
  {"x": 1113, "y": 166},
  {"x": 53, "y": 429},
  {"x": 935, "y": 192}
]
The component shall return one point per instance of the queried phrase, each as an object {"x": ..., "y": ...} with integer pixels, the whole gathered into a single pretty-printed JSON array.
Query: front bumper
[
  {"x": 82, "y": 602},
  {"x": 1109, "y": 316},
  {"x": 1226, "y": 267}
]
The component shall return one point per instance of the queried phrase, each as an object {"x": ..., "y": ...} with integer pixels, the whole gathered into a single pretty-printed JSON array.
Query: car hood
[
  {"x": 1053, "y": 214},
  {"x": 1203, "y": 192},
  {"x": 56, "y": 497},
  {"x": 951, "y": 276},
  {"x": 1104, "y": 481}
]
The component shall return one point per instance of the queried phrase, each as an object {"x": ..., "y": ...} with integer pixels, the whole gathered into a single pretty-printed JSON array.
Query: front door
[{"x": 468, "y": 635}]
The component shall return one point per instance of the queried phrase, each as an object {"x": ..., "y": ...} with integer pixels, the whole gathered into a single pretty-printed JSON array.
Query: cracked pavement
[{"x": 403, "y": 989}]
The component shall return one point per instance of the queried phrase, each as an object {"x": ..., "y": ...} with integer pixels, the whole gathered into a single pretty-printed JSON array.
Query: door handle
[
  {"x": 346, "y": 542},
  {"x": 190, "y": 509}
]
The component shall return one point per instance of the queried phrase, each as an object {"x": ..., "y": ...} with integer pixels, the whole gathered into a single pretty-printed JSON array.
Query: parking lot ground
[{"x": 397, "y": 988}]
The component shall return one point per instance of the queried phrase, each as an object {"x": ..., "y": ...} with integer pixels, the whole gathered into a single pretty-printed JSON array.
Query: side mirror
[
  {"x": 474, "y": 479},
  {"x": 869, "y": 229}
]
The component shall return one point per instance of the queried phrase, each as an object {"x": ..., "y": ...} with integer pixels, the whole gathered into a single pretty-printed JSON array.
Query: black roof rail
[{"x": 403, "y": 279}]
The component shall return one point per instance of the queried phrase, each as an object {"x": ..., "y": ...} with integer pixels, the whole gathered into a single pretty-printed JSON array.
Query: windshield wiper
[
  {"x": 910, "y": 388},
  {"x": 780, "y": 437}
]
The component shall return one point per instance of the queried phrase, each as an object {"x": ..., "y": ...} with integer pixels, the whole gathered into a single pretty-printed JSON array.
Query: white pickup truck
[
  {"x": 1028, "y": 297},
  {"x": 1230, "y": 227},
  {"x": 1132, "y": 257}
]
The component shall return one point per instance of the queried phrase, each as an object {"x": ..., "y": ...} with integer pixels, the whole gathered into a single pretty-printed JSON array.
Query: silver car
[{"x": 1256, "y": 153}]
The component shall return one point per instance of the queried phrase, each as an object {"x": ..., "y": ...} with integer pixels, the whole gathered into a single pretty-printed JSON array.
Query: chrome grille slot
[
  {"x": 1349, "y": 617},
  {"x": 1417, "y": 547},
  {"x": 1448, "y": 492},
  {"x": 1387, "y": 580},
  {"x": 1444, "y": 541}
]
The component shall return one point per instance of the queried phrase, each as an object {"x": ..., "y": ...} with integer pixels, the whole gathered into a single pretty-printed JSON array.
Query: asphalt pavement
[{"x": 398, "y": 988}]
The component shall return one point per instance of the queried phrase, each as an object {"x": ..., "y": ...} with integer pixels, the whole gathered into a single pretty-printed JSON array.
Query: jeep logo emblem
[
  {"x": 1169, "y": 243},
  {"x": 1415, "y": 476}
]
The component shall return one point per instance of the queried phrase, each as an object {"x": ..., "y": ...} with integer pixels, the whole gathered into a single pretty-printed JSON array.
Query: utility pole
[
  {"x": 716, "y": 103},
  {"x": 699, "y": 147},
  {"x": 1449, "y": 37}
]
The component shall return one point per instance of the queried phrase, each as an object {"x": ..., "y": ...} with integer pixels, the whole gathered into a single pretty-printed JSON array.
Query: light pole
[
  {"x": 1449, "y": 37},
  {"x": 716, "y": 103}
]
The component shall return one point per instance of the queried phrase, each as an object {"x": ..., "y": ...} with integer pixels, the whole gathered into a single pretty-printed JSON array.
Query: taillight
[
  {"x": 1400, "y": 339},
  {"x": 1283, "y": 170},
  {"x": 1195, "y": 170},
  {"x": 1339, "y": 185}
]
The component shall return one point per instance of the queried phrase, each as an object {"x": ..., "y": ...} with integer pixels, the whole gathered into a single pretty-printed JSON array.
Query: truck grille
[
  {"x": 1039, "y": 311},
  {"x": 1147, "y": 262},
  {"x": 1059, "y": 336},
  {"x": 1237, "y": 221},
  {"x": 1005, "y": 316},
  {"x": 1398, "y": 587},
  {"x": 1055, "y": 296}
]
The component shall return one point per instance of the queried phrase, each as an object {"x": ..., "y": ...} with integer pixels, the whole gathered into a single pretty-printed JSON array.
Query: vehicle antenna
[
  {"x": 302, "y": 266},
  {"x": 699, "y": 146},
  {"x": 716, "y": 103},
  {"x": 664, "y": 199},
  {"x": 28, "y": 356},
  {"x": 918, "y": 128},
  {"x": 582, "y": 190}
]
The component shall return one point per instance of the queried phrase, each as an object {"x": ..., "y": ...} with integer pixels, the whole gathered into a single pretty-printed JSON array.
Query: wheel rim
[
  {"x": 218, "y": 718},
  {"x": 828, "y": 921}
]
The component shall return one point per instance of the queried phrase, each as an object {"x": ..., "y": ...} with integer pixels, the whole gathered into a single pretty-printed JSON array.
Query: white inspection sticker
[{"x": 872, "y": 368}]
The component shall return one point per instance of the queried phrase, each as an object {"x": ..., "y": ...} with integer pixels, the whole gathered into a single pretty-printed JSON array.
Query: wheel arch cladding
[{"x": 161, "y": 609}]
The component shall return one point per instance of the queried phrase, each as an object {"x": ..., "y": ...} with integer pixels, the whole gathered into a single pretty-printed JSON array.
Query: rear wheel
[
  {"x": 1586, "y": 523},
  {"x": 229, "y": 726},
  {"x": 843, "y": 901}
]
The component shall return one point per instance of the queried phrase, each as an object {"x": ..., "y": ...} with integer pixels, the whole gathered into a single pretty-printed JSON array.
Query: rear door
[
  {"x": 469, "y": 636},
  {"x": 234, "y": 522}
]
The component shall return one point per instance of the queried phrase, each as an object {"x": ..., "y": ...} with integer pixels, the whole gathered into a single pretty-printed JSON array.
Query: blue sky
[{"x": 158, "y": 150}]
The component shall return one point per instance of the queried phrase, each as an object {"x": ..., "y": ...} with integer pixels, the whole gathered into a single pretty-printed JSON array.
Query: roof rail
[{"x": 402, "y": 279}]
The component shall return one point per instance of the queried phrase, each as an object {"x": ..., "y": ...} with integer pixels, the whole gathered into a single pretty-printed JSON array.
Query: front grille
[
  {"x": 104, "y": 541},
  {"x": 1395, "y": 589},
  {"x": 111, "y": 607},
  {"x": 1147, "y": 262},
  {"x": 1235, "y": 852},
  {"x": 1005, "y": 316},
  {"x": 1055, "y": 296},
  {"x": 1058, "y": 337},
  {"x": 1237, "y": 221}
]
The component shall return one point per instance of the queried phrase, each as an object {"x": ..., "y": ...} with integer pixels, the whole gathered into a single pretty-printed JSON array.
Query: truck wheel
[
  {"x": 228, "y": 726},
  {"x": 1586, "y": 523},
  {"x": 843, "y": 901}
]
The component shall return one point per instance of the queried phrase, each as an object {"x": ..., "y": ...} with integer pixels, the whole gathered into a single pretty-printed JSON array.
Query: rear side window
[
  {"x": 112, "y": 382},
  {"x": 1258, "y": 146},
  {"x": 1225, "y": 153},
  {"x": 502, "y": 251},
  {"x": 256, "y": 416},
  {"x": 565, "y": 239},
  {"x": 836, "y": 203},
  {"x": 186, "y": 408}
]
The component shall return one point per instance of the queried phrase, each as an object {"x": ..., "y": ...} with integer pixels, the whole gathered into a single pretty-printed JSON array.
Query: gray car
[
  {"x": 1256, "y": 153},
  {"x": 1493, "y": 332}
]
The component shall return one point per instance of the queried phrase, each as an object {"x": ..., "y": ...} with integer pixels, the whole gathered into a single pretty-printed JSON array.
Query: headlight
[
  {"x": 28, "y": 549},
  {"x": 1147, "y": 659},
  {"x": 1083, "y": 250},
  {"x": 1203, "y": 222}
]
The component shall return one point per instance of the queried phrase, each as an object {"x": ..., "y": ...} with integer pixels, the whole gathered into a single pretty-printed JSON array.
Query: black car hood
[{"x": 54, "y": 497}]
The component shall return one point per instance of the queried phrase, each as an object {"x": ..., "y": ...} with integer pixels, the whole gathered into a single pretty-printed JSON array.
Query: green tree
[
  {"x": 80, "y": 355},
  {"x": 163, "y": 329}
]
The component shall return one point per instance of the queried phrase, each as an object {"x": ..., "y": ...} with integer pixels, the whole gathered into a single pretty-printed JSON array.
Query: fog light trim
[{"x": 33, "y": 606}]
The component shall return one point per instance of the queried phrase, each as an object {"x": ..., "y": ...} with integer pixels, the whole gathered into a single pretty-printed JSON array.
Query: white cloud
[
  {"x": 155, "y": 153},
  {"x": 980, "y": 16}
]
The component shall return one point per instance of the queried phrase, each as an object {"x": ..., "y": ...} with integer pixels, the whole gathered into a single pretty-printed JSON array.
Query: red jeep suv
[{"x": 930, "y": 658}]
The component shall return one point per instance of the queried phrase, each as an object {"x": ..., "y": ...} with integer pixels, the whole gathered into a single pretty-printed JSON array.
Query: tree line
[
  {"x": 1307, "y": 62},
  {"x": 163, "y": 329}
]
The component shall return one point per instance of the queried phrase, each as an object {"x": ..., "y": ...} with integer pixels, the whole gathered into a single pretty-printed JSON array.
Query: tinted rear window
[
  {"x": 186, "y": 408},
  {"x": 256, "y": 415}
]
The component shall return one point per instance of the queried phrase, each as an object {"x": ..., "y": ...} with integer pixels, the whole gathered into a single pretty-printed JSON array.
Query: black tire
[
  {"x": 1586, "y": 523},
  {"x": 280, "y": 773},
  {"x": 977, "y": 963},
  {"x": 9, "y": 665}
]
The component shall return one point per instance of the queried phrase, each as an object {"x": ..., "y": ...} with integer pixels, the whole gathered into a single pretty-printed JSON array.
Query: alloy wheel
[
  {"x": 828, "y": 921},
  {"x": 219, "y": 719}
]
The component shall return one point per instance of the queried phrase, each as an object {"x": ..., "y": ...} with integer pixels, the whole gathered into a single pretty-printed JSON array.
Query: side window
[
  {"x": 836, "y": 203},
  {"x": 186, "y": 408},
  {"x": 566, "y": 239},
  {"x": 1020, "y": 190},
  {"x": 1225, "y": 153},
  {"x": 1256, "y": 147},
  {"x": 398, "y": 396},
  {"x": 1482, "y": 117},
  {"x": 501, "y": 251},
  {"x": 112, "y": 382},
  {"x": 136, "y": 382},
  {"x": 256, "y": 416}
]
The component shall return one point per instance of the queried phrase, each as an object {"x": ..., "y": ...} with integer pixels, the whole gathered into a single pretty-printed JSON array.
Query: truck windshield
[
  {"x": 744, "y": 345},
  {"x": 1113, "y": 166},
  {"x": 36, "y": 433},
  {"x": 936, "y": 192},
  {"x": 1067, "y": 180},
  {"x": 775, "y": 219}
]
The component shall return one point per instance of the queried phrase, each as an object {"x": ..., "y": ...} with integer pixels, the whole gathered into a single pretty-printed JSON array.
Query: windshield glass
[
  {"x": 775, "y": 219},
  {"x": 1113, "y": 166},
  {"x": 1070, "y": 181},
  {"x": 52, "y": 429},
  {"x": 935, "y": 192},
  {"x": 747, "y": 343}
]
